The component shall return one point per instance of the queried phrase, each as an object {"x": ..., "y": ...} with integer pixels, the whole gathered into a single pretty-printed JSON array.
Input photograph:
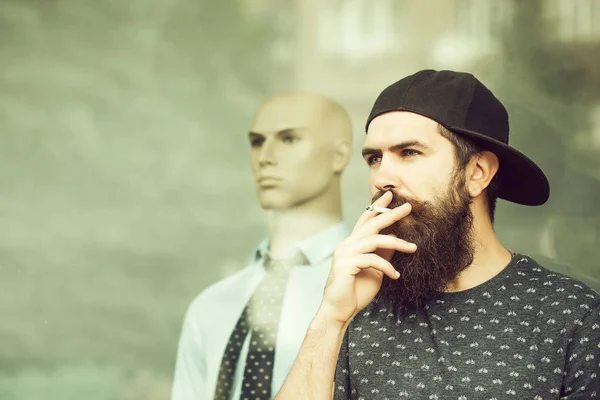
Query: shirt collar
[{"x": 315, "y": 248}]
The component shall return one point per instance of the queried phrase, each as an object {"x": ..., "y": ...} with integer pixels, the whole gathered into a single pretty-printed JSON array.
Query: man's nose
[{"x": 387, "y": 176}]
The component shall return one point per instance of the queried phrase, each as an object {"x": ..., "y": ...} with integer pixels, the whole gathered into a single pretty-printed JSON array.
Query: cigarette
[{"x": 377, "y": 209}]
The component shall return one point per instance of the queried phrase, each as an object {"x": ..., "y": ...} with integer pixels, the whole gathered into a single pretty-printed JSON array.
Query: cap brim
[{"x": 523, "y": 182}]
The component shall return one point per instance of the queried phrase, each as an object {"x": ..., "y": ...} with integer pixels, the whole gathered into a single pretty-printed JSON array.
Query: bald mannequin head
[{"x": 299, "y": 145}]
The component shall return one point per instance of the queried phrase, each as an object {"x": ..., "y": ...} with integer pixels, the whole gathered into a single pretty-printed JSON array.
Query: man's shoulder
[{"x": 540, "y": 276}]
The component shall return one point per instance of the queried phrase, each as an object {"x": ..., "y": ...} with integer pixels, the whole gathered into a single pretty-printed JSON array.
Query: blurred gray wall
[{"x": 124, "y": 169}]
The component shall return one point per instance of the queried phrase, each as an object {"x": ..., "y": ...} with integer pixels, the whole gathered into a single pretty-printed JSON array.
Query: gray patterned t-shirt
[{"x": 527, "y": 333}]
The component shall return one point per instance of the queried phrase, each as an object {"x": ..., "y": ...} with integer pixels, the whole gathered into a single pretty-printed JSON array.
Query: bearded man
[{"x": 423, "y": 301}]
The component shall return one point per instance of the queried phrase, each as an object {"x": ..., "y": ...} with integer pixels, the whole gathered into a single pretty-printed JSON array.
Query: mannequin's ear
[
  {"x": 482, "y": 168},
  {"x": 341, "y": 156}
]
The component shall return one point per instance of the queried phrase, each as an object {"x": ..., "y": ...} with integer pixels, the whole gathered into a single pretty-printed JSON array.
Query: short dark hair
[{"x": 465, "y": 148}]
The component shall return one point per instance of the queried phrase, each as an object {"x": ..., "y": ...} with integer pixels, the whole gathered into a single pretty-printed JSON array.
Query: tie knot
[{"x": 298, "y": 258}]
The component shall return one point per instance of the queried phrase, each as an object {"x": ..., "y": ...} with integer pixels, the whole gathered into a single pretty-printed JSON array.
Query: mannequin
[{"x": 300, "y": 144}]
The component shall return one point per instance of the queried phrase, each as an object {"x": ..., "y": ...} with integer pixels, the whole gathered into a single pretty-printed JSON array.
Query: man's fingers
[
  {"x": 365, "y": 261},
  {"x": 383, "y": 201},
  {"x": 381, "y": 221},
  {"x": 372, "y": 243},
  {"x": 386, "y": 254}
]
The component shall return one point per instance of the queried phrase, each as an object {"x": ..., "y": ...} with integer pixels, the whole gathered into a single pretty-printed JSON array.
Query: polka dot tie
[{"x": 260, "y": 319}]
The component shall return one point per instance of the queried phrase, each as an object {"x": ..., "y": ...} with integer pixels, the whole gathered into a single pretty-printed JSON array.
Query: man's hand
[{"x": 360, "y": 261}]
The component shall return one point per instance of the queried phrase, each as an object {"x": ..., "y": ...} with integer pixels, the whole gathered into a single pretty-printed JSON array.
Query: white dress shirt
[{"x": 213, "y": 314}]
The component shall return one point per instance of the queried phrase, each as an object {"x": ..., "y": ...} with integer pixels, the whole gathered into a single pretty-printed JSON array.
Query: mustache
[
  {"x": 397, "y": 199},
  {"x": 418, "y": 207}
]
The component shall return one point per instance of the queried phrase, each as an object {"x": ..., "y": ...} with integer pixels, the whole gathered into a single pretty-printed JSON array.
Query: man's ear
[
  {"x": 341, "y": 156},
  {"x": 482, "y": 168}
]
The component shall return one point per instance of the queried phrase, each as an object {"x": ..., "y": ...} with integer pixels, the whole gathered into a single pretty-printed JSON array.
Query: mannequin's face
[{"x": 291, "y": 155}]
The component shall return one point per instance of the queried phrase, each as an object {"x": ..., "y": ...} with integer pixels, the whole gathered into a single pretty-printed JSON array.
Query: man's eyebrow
[
  {"x": 367, "y": 151},
  {"x": 409, "y": 143}
]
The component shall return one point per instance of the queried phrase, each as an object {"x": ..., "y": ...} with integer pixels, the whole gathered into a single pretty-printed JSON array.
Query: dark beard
[{"x": 443, "y": 235}]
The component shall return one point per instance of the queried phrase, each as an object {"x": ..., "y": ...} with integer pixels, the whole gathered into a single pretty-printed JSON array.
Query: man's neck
[
  {"x": 489, "y": 259},
  {"x": 289, "y": 227}
]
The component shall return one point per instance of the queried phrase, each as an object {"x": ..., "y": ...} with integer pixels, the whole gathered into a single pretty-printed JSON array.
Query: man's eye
[
  {"x": 411, "y": 153},
  {"x": 256, "y": 142},
  {"x": 373, "y": 160}
]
